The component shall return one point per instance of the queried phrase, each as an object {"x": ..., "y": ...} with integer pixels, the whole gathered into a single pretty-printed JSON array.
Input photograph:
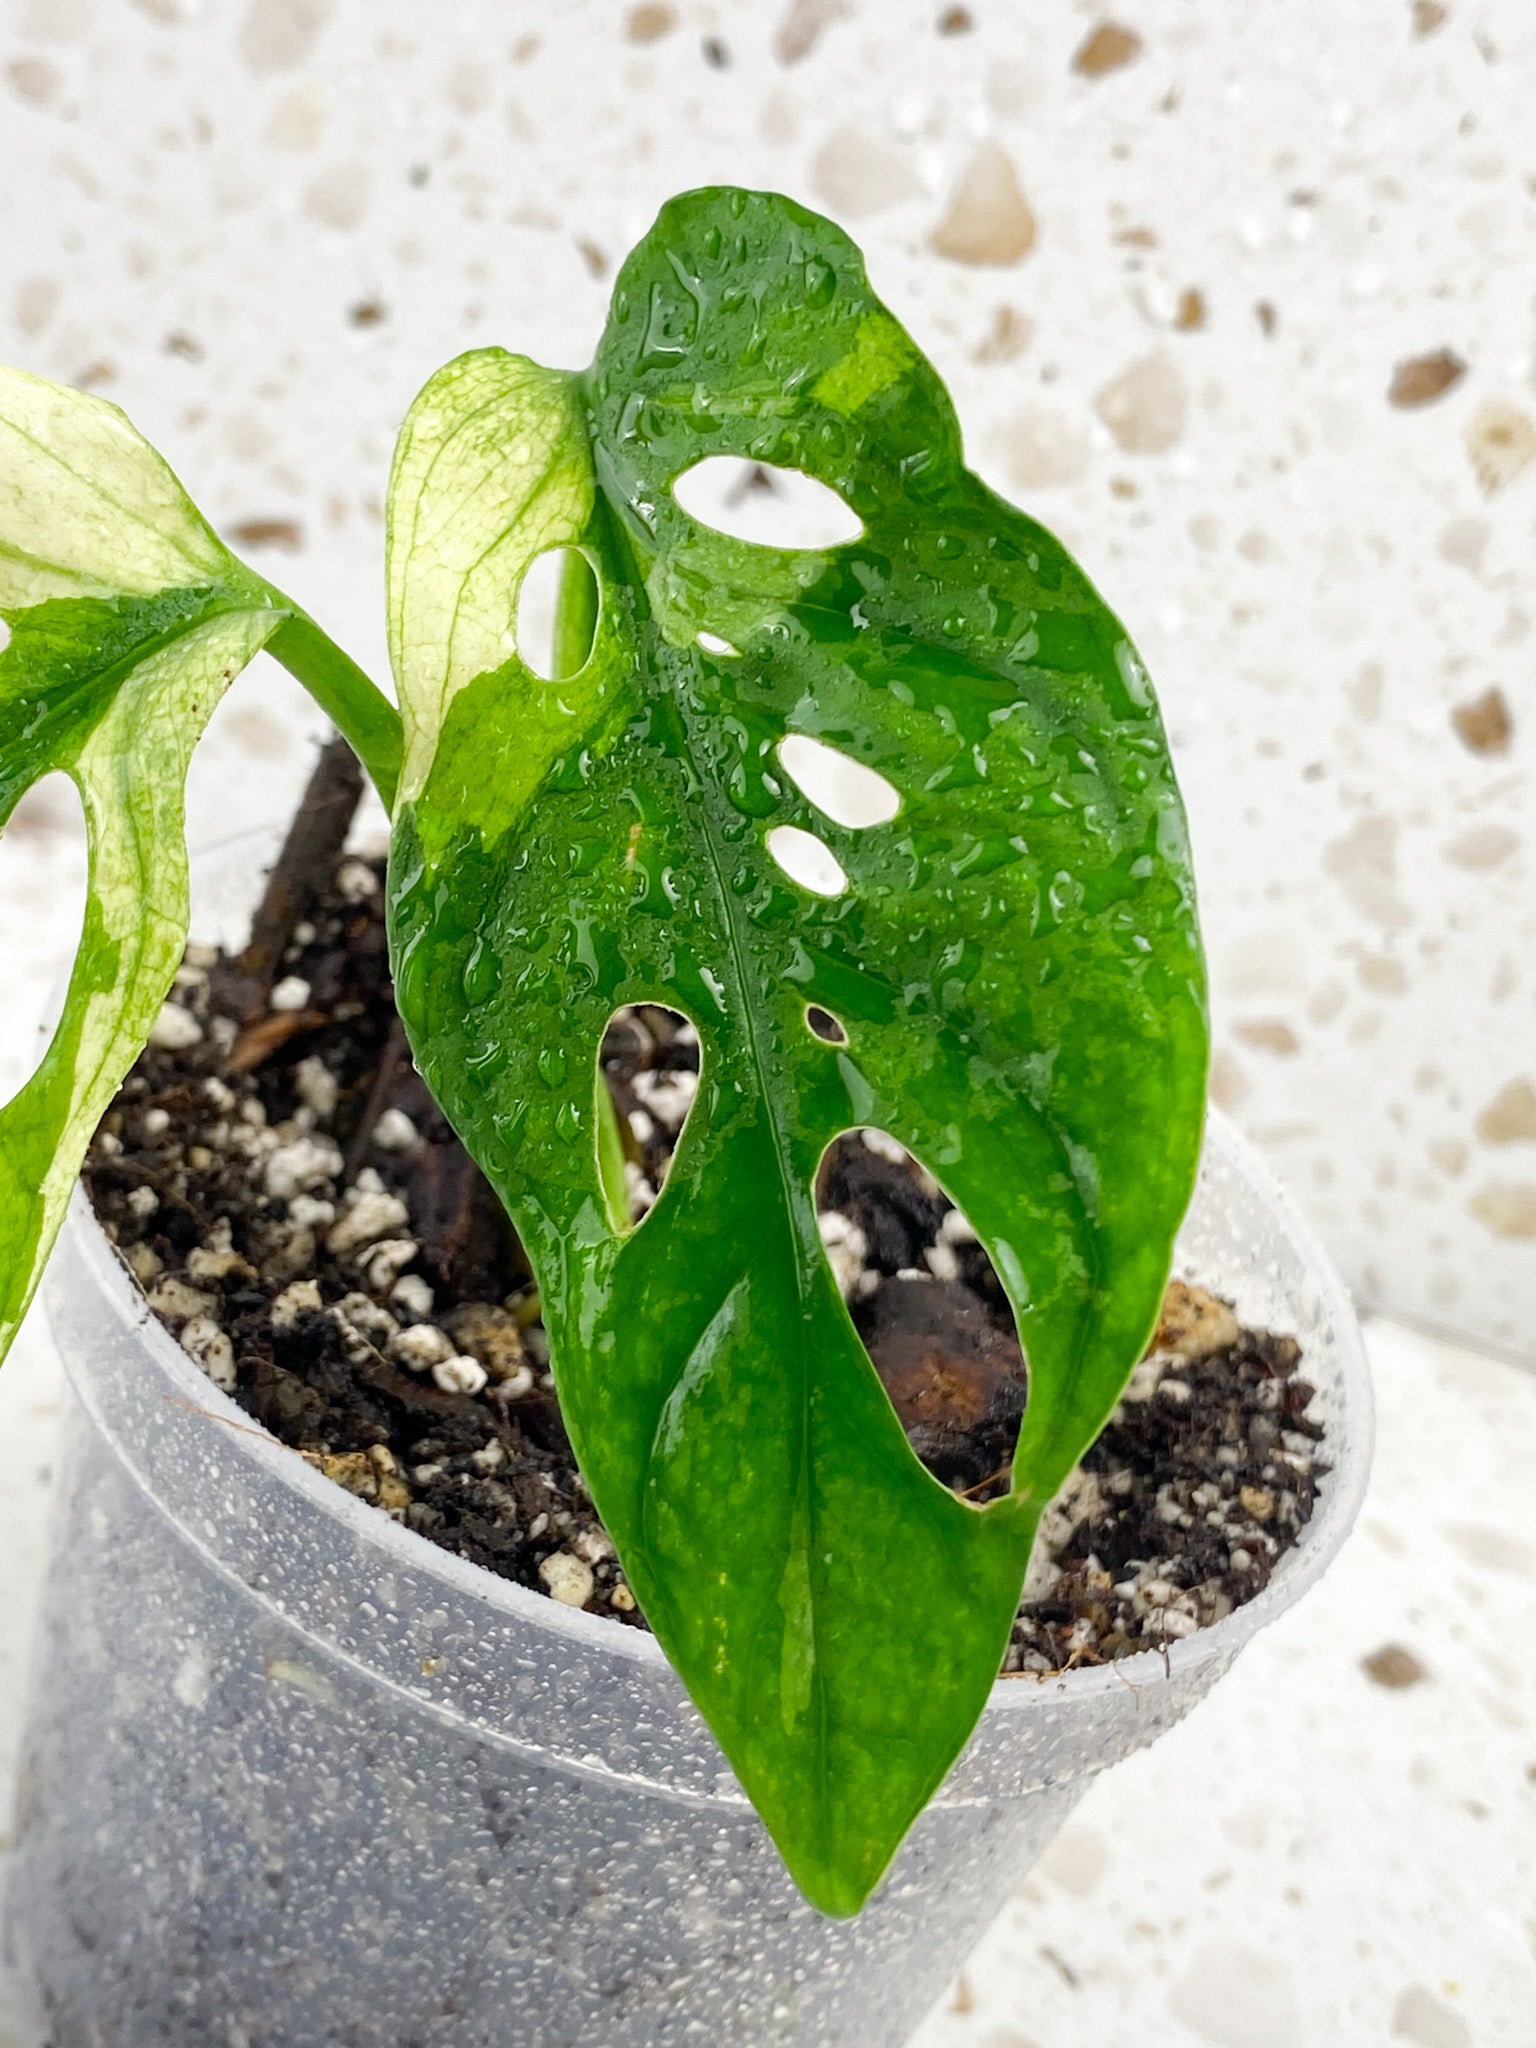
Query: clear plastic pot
[{"x": 294, "y": 1777}]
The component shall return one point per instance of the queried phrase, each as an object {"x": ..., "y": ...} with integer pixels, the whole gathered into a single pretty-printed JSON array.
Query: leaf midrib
[{"x": 736, "y": 939}]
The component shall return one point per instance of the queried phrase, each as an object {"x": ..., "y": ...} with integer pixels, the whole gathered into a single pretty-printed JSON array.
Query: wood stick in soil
[
  {"x": 316, "y": 836},
  {"x": 379, "y": 1096}
]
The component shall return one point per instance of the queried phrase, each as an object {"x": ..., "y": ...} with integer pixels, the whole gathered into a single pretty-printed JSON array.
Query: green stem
[
  {"x": 361, "y": 712},
  {"x": 575, "y": 615},
  {"x": 610, "y": 1158}
]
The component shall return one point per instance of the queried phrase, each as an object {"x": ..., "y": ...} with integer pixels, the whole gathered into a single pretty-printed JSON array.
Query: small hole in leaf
[
  {"x": 557, "y": 614},
  {"x": 807, "y": 860},
  {"x": 775, "y": 508},
  {"x": 824, "y": 1025},
  {"x": 848, "y": 792},
  {"x": 929, "y": 1306},
  {"x": 713, "y": 644},
  {"x": 649, "y": 1063}
]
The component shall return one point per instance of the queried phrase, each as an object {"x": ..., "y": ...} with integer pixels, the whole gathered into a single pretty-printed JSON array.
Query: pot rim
[{"x": 1340, "y": 1492}]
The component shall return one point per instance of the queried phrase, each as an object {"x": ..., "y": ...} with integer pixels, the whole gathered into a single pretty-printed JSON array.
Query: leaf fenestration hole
[
  {"x": 557, "y": 608},
  {"x": 807, "y": 860},
  {"x": 650, "y": 1064},
  {"x": 773, "y": 508},
  {"x": 713, "y": 644},
  {"x": 43, "y": 861},
  {"x": 849, "y": 793},
  {"x": 824, "y": 1025},
  {"x": 927, "y": 1302}
]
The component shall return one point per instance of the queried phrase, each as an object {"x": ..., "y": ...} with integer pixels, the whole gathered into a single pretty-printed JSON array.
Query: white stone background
[{"x": 259, "y": 225}]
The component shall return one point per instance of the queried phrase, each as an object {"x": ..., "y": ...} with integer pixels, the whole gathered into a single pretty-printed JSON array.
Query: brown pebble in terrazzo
[
  {"x": 1145, "y": 407},
  {"x": 1363, "y": 861},
  {"x": 1427, "y": 16},
  {"x": 1507, "y": 1208},
  {"x": 956, "y": 21},
  {"x": 268, "y": 533},
  {"x": 368, "y": 313},
  {"x": 1501, "y": 442},
  {"x": 1267, "y": 1034},
  {"x": 37, "y": 300},
  {"x": 804, "y": 25},
  {"x": 1420, "y": 380},
  {"x": 988, "y": 220},
  {"x": 277, "y": 34},
  {"x": 33, "y": 79},
  {"x": 1190, "y": 313},
  {"x": 1393, "y": 1667},
  {"x": 651, "y": 21},
  {"x": 1006, "y": 337},
  {"x": 1510, "y": 1118},
  {"x": 1107, "y": 48},
  {"x": 1483, "y": 847},
  {"x": 1483, "y": 723}
]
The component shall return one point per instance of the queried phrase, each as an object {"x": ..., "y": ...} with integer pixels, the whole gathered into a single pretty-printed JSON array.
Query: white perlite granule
[
  {"x": 394, "y": 1132},
  {"x": 175, "y": 1029},
  {"x": 568, "y": 1580},
  {"x": 295, "y": 1169},
  {"x": 368, "y": 1212},
  {"x": 291, "y": 993},
  {"x": 460, "y": 1374}
]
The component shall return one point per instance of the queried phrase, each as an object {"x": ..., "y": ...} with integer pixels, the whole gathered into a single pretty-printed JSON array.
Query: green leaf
[
  {"x": 1015, "y": 961},
  {"x": 128, "y": 620}
]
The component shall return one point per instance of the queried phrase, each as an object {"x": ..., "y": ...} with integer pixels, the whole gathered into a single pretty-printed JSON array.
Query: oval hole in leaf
[
  {"x": 557, "y": 608},
  {"x": 807, "y": 860},
  {"x": 42, "y": 862},
  {"x": 849, "y": 793},
  {"x": 824, "y": 1025},
  {"x": 774, "y": 508},
  {"x": 650, "y": 1064},
  {"x": 713, "y": 644},
  {"x": 927, "y": 1302}
]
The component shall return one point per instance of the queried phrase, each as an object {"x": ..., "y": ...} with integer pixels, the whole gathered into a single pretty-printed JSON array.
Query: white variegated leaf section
[
  {"x": 493, "y": 468},
  {"x": 87, "y": 508}
]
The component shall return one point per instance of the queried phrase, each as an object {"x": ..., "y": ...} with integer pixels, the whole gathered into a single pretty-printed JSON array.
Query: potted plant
[{"x": 298, "y": 1776}]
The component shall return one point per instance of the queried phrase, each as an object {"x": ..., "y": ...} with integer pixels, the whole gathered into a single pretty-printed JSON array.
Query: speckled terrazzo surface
[{"x": 259, "y": 226}]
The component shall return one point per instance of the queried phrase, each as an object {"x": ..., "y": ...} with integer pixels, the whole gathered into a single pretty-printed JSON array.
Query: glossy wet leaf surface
[
  {"x": 128, "y": 619},
  {"x": 1012, "y": 958}
]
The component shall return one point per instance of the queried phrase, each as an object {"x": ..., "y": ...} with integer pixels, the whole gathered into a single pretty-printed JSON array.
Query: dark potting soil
[{"x": 302, "y": 1219}]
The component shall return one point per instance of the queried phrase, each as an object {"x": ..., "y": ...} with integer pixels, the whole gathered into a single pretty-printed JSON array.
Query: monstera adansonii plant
[{"x": 1004, "y": 972}]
